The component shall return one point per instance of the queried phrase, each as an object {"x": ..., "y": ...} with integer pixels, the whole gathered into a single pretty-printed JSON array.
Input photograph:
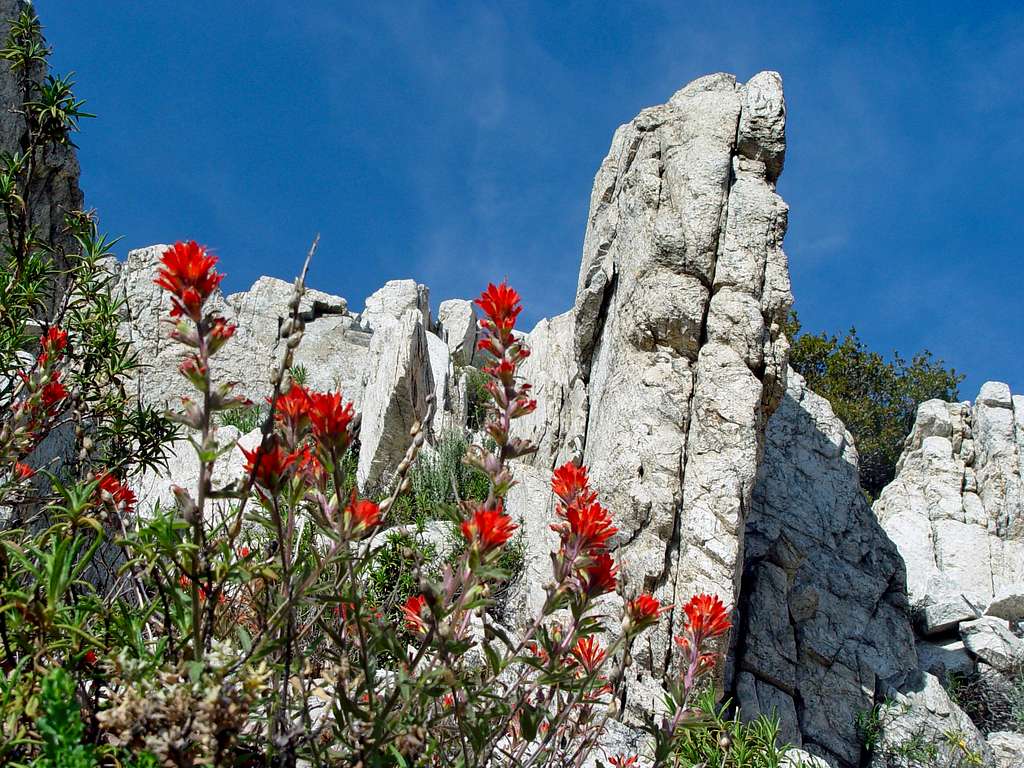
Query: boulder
[
  {"x": 1008, "y": 602},
  {"x": 921, "y": 712},
  {"x": 389, "y": 304},
  {"x": 824, "y": 617},
  {"x": 396, "y": 396},
  {"x": 457, "y": 325},
  {"x": 936, "y": 618},
  {"x": 1007, "y": 748},
  {"x": 955, "y": 508},
  {"x": 991, "y": 640},
  {"x": 945, "y": 658}
]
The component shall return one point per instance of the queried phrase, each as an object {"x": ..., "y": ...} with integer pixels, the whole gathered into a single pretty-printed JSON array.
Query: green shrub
[
  {"x": 728, "y": 742},
  {"x": 875, "y": 397}
]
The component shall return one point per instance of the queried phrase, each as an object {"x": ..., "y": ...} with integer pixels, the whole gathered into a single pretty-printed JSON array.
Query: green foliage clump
[
  {"x": 477, "y": 398},
  {"x": 440, "y": 479},
  {"x": 61, "y": 725},
  {"x": 245, "y": 420},
  {"x": 728, "y": 742},
  {"x": 875, "y": 397}
]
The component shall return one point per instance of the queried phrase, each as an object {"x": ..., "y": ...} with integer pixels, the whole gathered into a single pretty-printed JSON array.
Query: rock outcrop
[
  {"x": 825, "y": 618},
  {"x": 663, "y": 375},
  {"x": 956, "y": 509},
  {"x": 55, "y": 191}
]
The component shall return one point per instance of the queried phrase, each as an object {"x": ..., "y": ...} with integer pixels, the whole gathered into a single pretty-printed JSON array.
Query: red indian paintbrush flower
[
  {"x": 413, "y": 612},
  {"x": 643, "y": 611},
  {"x": 589, "y": 653},
  {"x": 599, "y": 575},
  {"x": 330, "y": 419},
  {"x": 52, "y": 344},
  {"x": 570, "y": 483},
  {"x": 220, "y": 331},
  {"x": 272, "y": 467},
  {"x": 621, "y": 761},
  {"x": 54, "y": 391},
  {"x": 590, "y": 524},
  {"x": 189, "y": 277},
  {"x": 121, "y": 495},
  {"x": 293, "y": 407},
  {"x": 490, "y": 528},
  {"x": 706, "y": 617},
  {"x": 23, "y": 471},
  {"x": 501, "y": 305},
  {"x": 363, "y": 513}
]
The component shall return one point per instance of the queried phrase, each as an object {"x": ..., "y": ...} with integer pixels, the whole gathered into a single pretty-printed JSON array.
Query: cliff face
[
  {"x": 55, "y": 191},
  {"x": 825, "y": 620},
  {"x": 956, "y": 507},
  {"x": 663, "y": 375}
]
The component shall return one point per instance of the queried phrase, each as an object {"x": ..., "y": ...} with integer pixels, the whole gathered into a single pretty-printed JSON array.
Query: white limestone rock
[
  {"x": 955, "y": 508},
  {"x": 154, "y": 488},
  {"x": 662, "y": 376},
  {"x": 936, "y": 618},
  {"x": 334, "y": 350},
  {"x": 457, "y": 325},
  {"x": 389, "y": 304},
  {"x": 396, "y": 395},
  {"x": 824, "y": 616},
  {"x": 991, "y": 640},
  {"x": 1007, "y": 749},
  {"x": 919, "y": 710},
  {"x": 798, "y": 758},
  {"x": 531, "y": 504}
]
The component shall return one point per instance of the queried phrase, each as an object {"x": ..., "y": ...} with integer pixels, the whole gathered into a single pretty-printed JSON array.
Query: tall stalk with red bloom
[{"x": 188, "y": 274}]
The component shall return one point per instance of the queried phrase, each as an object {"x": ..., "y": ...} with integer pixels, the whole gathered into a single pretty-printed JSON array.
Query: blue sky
[{"x": 456, "y": 143}]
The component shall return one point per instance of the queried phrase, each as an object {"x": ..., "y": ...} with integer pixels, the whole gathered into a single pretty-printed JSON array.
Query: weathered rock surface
[
  {"x": 920, "y": 711},
  {"x": 824, "y": 612},
  {"x": 956, "y": 509},
  {"x": 393, "y": 300},
  {"x": 334, "y": 350},
  {"x": 396, "y": 395},
  {"x": 991, "y": 641},
  {"x": 663, "y": 375},
  {"x": 457, "y": 326},
  {"x": 55, "y": 191},
  {"x": 1007, "y": 749}
]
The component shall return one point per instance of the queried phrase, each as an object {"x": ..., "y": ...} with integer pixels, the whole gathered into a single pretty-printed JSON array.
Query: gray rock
[
  {"x": 457, "y": 325},
  {"x": 1007, "y": 748},
  {"x": 921, "y": 711},
  {"x": 55, "y": 191},
  {"x": 955, "y": 508},
  {"x": 396, "y": 393},
  {"x": 939, "y": 617},
  {"x": 991, "y": 640},
  {"x": 663, "y": 375},
  {"x": 1008, "y": 603},
  {"x": 390, "y": 303},
  {"x": 944, "y": 658},
  {"x": 824, "y": 617}
]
